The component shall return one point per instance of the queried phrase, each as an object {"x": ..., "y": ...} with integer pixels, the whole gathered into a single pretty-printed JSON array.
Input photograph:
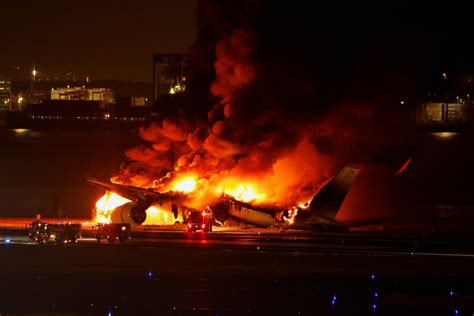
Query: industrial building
[
  {"x": 435, "y": 114},
  {"x": 105, "y": 96},
  {"x": 5, "y": 94},
  {"x": 169, "y": 75}
]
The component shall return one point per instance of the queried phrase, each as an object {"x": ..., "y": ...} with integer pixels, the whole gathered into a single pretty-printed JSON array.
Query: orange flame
[
  {"x": 243, "y": 192},
  {"x": 290, "y": 219},
  {"x": 105, "y": 206},
  {"x": 185, "y": 185},
  {"x": 156, "y": 215}
]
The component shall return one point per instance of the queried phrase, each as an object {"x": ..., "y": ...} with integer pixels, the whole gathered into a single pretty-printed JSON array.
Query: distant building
[
  {"x": 103, "y": 95},
  {"x": 5, "y": 94},
  {"x": 442, "y": 114},
  {"x": 169, "y": 75},
  {"x": 130, "y": 101},
  {"x": 67, "y": 114},
  {"x": 61, "y": 109}
]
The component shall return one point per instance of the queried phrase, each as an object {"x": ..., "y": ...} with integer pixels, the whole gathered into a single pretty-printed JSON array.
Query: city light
[{"x": 444, "y": 135}]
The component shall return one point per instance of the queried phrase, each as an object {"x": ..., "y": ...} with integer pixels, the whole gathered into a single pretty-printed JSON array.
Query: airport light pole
[
  {"x": 444, "y": 108},
  {"x": 34, "y": 73}
]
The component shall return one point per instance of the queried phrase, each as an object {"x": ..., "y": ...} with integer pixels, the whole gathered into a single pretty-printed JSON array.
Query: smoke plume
[{"x": 280, "y": 99}]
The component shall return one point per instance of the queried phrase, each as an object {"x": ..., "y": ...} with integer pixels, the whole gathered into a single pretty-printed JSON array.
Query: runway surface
[{"x": 251, "y": 272}]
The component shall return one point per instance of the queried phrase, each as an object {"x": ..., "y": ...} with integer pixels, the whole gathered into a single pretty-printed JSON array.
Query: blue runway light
[
  {"x": 8, "y": 241},
  {"x": 451, "y": 293},
  {"x": 372, "y": 276},
  {"x": 376, "y": 294},
  {"x": 150, "y": 274}
]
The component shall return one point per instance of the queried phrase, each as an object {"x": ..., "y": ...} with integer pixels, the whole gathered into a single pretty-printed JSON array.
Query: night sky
[
  {"x": 109, "y": 41},
  {"x": 103, "y": 39}
]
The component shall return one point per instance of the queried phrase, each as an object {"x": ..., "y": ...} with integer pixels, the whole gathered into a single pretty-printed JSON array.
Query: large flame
[
  {"x": 258, "y": 152},
  {"x": 185, "y": 185},
  {"x": 244, "y": 192},
  {"x": 105, "y": 206},
  {"x": 156, "y": 215}
]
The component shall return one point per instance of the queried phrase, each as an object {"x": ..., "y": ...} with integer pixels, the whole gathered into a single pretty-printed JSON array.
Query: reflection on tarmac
[
  {"x": 369, "y": 243},
  {"x": 235, "y": 273}
]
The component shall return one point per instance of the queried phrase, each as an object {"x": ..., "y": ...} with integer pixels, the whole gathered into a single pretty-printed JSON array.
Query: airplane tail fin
[{"x": 329, "y": 199}]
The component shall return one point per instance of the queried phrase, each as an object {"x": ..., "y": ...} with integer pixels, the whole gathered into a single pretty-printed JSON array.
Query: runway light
[
  {"x": 376, "y": 295},
  {"x": 456, "y": 311},
  {"x": 451, "y": 293},
  {"x": 374, "y": 307},
  {"x": 8, "y": 241},
  {"x": 150, "y": 274},
  {"x": 372, "y": 276}
]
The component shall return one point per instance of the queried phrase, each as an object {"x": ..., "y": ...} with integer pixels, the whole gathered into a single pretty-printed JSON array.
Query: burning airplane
[
  {"x": 129, "y": 204},
  {"x": 270, "y": 138}
]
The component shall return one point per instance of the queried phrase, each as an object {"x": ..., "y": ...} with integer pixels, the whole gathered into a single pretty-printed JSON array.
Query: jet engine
[{"x": 130, "y": 213}]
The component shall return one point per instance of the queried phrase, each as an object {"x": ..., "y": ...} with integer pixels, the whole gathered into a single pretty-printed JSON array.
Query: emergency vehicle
[
  {"x": 200, "y": 220},
  {"x": 59, "y": 233},
  {"x": 112, "y": 232}
]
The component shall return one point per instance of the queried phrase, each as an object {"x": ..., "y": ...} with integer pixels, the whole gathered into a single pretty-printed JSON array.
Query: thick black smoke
[{"x": 284, "y": 94}]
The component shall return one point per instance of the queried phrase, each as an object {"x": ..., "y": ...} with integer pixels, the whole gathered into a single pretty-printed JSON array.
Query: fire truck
[
  {"x": 112, "y": 232},
  {"x": 58, "y": 233},
  {"x": 200, "y": 220}
]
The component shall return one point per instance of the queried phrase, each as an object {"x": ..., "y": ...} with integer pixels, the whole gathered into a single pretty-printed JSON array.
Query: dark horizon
[{"x": 97, "y": 39}]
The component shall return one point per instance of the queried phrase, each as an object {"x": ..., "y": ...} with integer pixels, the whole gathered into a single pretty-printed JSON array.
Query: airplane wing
[{"x": 136, "y": 194}]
